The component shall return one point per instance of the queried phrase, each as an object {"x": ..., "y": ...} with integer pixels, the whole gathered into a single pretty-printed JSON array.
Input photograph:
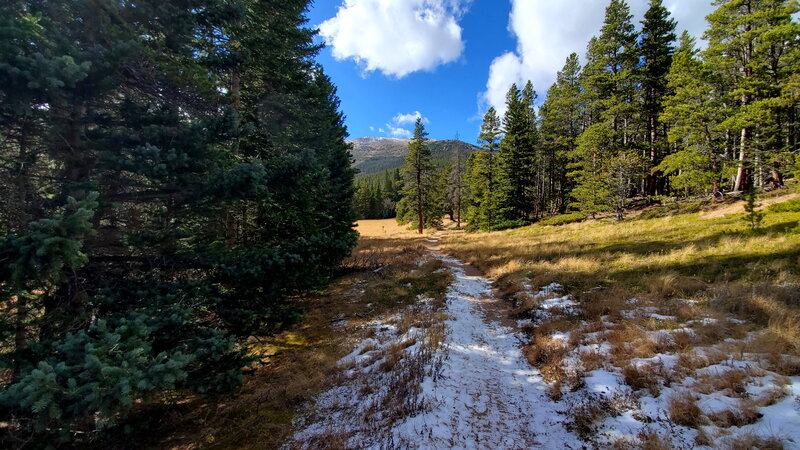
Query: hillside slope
[{"x": 376, "y": 154}]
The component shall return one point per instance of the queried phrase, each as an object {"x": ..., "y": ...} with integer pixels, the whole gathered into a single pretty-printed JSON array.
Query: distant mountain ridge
[{"x": 376, "y": 154}]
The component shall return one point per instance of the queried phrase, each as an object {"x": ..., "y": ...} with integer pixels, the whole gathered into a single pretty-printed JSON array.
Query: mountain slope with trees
[{"x": 375, "y": 155}]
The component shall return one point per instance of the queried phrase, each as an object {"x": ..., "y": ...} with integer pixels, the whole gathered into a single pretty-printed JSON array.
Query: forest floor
[{"x": 680, "y": 331}]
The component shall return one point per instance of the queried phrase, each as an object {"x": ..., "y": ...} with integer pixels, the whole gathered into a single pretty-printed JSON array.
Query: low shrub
[
  {"x": 790, "y": 206},
  {"x": 683, "y": 410},
  {"x": 673, "y": 209},
  {"x": 563, "y": 219},
  {"x": 509, "y": 224}
]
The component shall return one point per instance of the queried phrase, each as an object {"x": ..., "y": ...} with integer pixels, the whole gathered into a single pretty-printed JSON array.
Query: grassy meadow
[{"x": 687, "y": 308}]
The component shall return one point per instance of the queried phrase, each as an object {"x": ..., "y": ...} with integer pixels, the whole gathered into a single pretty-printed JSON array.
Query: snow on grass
[
  {"x": 487, "y": 395},
  {"x": 476, "y": 391},
  {"x": 634, "y": 377},
  {"x": 633, "y": 402}
]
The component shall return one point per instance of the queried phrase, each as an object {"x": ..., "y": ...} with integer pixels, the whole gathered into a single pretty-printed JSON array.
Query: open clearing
[
  {"x": 476, "y": 391},
  {"x": 671, "y": 332},
  {"x": 674, "y": 332}
]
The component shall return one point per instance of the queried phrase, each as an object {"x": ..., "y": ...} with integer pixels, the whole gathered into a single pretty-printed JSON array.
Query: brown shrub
[
  {"x": 666, "y": 286},
  {"x": 652, "y": 440},
  {"x": 591, "y": 360},
  {"x": 745, "y": 413},
  {"x": 732, "y": 382},
  {"x": 554, "y": 391},
  {"x": 641, "y": 378},
  {"x": 691, "y": 361},
  {"x": 604, "y": 302},
  {"x": 770, "y": 396},
  {"x": 749, "y": 441},
  {"x": 629, "y": 341},
  {"x": 683, "y": 410},
  {"x": 547, "y": 355}
]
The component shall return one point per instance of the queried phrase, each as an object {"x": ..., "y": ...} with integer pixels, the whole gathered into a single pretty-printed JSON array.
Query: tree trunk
[
  {"x": 740, "y": 172},
  {"x": 419, "y": 201}
]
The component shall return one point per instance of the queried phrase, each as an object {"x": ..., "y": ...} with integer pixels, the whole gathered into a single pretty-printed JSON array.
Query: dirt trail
[
  {"x": 738, "y": 207},
  {"x": 485, "y": 394}
]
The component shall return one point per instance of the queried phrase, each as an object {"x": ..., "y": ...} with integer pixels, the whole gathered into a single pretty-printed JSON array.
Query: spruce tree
[
  {"x": 480, "y": 176},
  {"x": 561, "y": 123},
  {"x": 655, "y": 47},
  {"x": 609, "y": 90},
  {"x": 695, "y": 111},
  {"x": 516, "y": 182},
  {"x": 189, "y": 173},
  {"x": 422, "y": 202},
  {"x": 752, "y": 43},
  {"x": 456, "y": 186}
]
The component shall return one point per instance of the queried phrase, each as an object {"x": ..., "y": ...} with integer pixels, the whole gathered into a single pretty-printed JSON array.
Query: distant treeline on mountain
[
  {"x": 377, "y": 154},
  {"x": 379, "y": 182}
]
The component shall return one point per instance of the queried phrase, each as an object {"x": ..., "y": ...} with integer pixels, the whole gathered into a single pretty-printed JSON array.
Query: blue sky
[{"x": 448, "y": 60}]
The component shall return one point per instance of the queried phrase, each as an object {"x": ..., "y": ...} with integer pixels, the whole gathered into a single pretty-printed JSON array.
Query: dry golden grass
[
  {"x": 652, "y": 440},
  {"x": 745, "y": 413},
  {"x": 386, "y": 228},
  {"x": 683, "y": 410},
  {"x": 749, "y": 441},
  {"x": 764, "y": 200},
  {"x": 668, "y": 256},
  {"x": 731, "y": 382},
  {"x": 642, "y": 377}
]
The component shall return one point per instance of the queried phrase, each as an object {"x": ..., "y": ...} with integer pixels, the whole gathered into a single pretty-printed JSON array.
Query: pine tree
[
  {"x": 422, "y": 193},
  {"x": 656, "y": 48},
  {"x": 561, "y": 116},
  {"x": 695, "y": 111},
  {"x": 752, "y": 216},
  {"x": 200, "y": 154},
  {"x": 480, "y": 176},
  {"x": 516, "y": 182},
  {"x": 609, "y": 88},
  {"x": 751, "y": 43},
  {"x": 456, "y": 185}
]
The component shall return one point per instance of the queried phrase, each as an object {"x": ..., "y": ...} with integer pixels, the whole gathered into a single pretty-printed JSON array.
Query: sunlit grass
[
  {"x": 589, "y": 254},
  {"x": 713, "y": 258}
]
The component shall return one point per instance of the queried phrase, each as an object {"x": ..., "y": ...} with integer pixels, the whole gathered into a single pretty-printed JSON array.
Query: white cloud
[
  {"x": 399, "y": 132},
  {"x": 396, "y": 37},
  {"x": 397, "y": 128},
  {"x": 371, "y": 128},
  {"x": 408, "y": 119},
  {"x": 548, "y": 31}
]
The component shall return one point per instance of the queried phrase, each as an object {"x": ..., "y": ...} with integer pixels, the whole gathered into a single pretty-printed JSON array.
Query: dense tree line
[
  {"x": 171, "y": 172},
  {"x": 648, "y": 115},
  {"x": 377, "y": 195}
]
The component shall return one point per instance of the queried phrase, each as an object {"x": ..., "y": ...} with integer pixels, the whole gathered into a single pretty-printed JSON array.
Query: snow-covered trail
[
  {"x": 478, "y": 390},
  {"x": 487, "y": 394}
]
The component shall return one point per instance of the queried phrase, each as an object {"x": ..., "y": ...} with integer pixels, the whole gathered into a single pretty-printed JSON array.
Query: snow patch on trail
[
  {"x": 478, "y": 390},
  {"x": 487, "y": 394}
]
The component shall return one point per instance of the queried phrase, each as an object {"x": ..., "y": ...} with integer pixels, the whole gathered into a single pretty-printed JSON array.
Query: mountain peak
[{"x": 374, "y": 153}]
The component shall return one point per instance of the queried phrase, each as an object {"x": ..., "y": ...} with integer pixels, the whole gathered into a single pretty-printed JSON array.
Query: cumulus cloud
[
  {"x": 408, "y": 119},
  {"x": 396, "y": 37},
  {"x": 548, "y": 31},
  {"x": 397, "y": 126},
  {"x": 398, "y": 132}
]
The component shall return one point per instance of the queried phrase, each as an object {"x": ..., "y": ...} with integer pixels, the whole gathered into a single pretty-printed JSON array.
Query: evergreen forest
[
  {"x": 649, "y": 117},
  {"x": 172, "y": 171}
]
